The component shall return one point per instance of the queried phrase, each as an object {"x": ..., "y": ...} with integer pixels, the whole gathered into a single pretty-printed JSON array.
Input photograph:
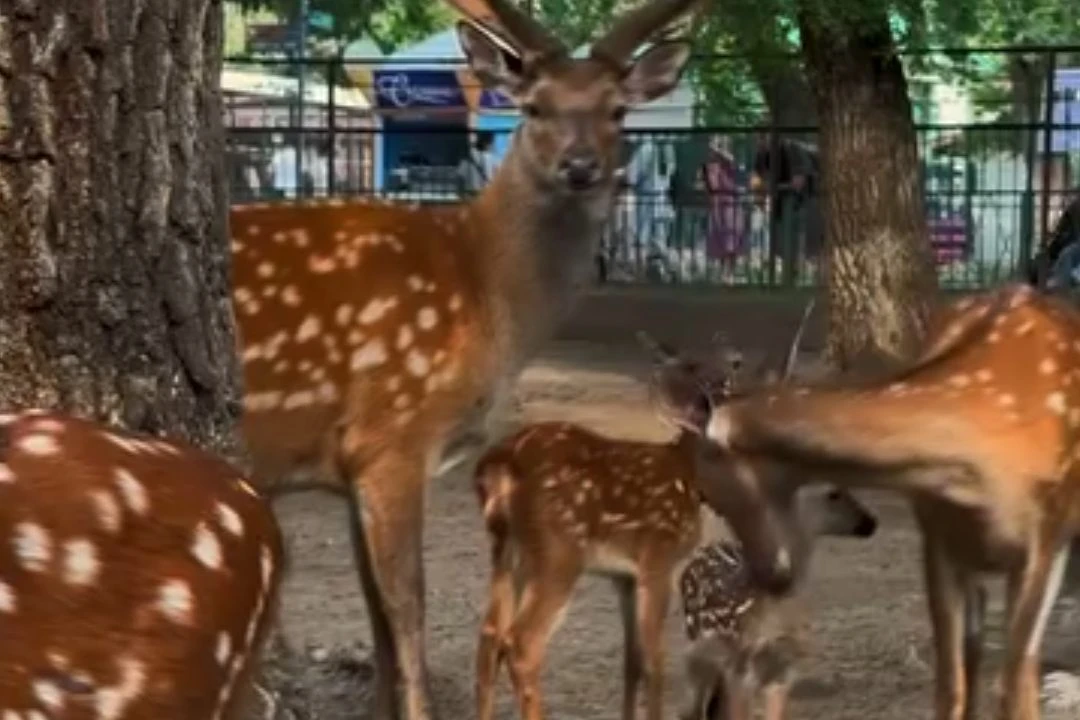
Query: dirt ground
[{"x": 871, "y": 657}]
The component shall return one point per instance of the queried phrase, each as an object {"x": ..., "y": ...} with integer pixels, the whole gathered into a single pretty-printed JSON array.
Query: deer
[
  {"x": 380, "y": 340},
  {"x": 979, "y": 431},
  {"x": 559, "y": 501},
  {"x": 743, "y": 640},
  {"x": 138, "y": 575}
]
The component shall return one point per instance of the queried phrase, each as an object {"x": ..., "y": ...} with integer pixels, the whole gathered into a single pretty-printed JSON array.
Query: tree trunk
[
  {"x": 787, "y": 94},
  {"x": 114, "y": 260},
  {"x": 880, "y": 269}
]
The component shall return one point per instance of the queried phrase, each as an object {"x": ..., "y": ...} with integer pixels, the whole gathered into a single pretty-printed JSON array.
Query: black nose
[
  {"x": 866, "y": 527},
  {"x": 580, "y": 171}
]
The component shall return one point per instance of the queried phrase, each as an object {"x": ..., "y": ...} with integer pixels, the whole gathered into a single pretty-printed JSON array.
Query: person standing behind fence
[
  {"x": 795, "y": 207},
  {"x": 726, "y": 234},
  {"x": 476, "y": 168}
]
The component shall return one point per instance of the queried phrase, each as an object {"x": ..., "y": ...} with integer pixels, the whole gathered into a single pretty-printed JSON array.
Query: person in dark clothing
[
  {"x": 795, "y": 206},
  {"x": 1061, "y": 253}
]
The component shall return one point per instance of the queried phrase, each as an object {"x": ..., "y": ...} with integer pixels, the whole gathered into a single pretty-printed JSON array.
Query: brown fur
[
  {"x": 982, "y": 432},
  {"x": 378, "y": 339},
  {"x": 99, "y": 526}
]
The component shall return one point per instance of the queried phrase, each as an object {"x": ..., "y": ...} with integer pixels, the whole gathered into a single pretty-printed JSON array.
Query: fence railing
[{"x": 688, "y": 213}]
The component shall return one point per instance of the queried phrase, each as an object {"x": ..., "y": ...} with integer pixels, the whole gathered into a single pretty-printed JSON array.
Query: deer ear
[
  {"x": 494, "y": 62},
  {"x": 656, "y": 72},
  {"x": 679, "y": 397},
  {"x": 662, "y": 353}
]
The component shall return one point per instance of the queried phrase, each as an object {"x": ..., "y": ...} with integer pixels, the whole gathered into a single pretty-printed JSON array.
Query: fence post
[
  {"x": 773, "y": 208},
  {"x": 1047, "y": 149},
  {"x": 331, "y": 125}
]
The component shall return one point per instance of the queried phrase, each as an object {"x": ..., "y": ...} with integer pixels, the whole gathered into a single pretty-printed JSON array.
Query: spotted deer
[
  {"x": 377, "y": 338},
  {"x": 137, "y": 575},
  {"x": 559, "y": 501},
  {"x": 744, "y": 641},
  {"x": 980, "y": 431}
]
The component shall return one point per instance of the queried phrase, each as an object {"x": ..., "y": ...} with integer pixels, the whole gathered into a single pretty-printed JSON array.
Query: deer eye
[
  {"x": 619, "y": 113},
  {"x": 531, "y": 110}
]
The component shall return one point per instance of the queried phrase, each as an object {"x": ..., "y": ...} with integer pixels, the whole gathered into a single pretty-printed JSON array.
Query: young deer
[
  {"x": 981, "y": 431},
  {"x": 743, "y": 639},
  {"x": 559, "y": 501},
  {"x": 377, "y": 338},
  {"x": 137, "y": 575}
]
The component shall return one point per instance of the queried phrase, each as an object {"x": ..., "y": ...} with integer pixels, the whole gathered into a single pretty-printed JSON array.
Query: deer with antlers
[
  {"x": 377, "y": 338},
  {"x": 981, "y": 431},
  {"x": 138, "y": 576}
]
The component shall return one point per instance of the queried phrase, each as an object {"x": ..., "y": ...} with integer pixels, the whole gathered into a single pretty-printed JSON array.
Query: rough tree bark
[
  {"x": 114, "y": 259},
  {"x": 880, "y": 270}
]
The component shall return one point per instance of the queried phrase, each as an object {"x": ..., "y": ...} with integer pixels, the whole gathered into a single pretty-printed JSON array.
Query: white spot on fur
[
  {"x": 1048, "y": 366},
  {"x": 343, "y": 315},
  {"x": 48, "y": 694},
  {"x": 375, "y": 310},
  {"x": 7, "y": 598},
  {"x": 321, "y": 264},
  {"x": 32, "y": 545},
  {"x": 1055, "y": 402},
  {"x": 206, "y": 547},
  {"x": 112, "y": 702},
  {"x": 81, "y": 562},
  {"x": 308, "y": 329},
  {"x": 266, "y": 562},
  {"x": 265, "y": 270},
  {"x": 290, "y": 295},
  {"x": 427, "y": 318},
  {"x": 6, "y": 474},
  {"x": 372, "y": 354},
  {"x": 175, "y": 601},
  {"x": 39, "y": 444},
  {"x": 415, "y": 283},
  {"x": 984, "y": 375},
  {"x": 229, "y": 519},
  {"x": 223, "y": 651},
  {"x": 404, "y": 337},
  {"x": 133, "y": 491},
  {"x": 107, "y": 510},
  {"x": 417, "y": 363},
  {"x": 1006, "y": 400},
  {"x": 455, "y": 303},
  {"x": 401, "y": 402}
]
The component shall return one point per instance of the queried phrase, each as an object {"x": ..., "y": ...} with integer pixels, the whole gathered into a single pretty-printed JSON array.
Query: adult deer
[
  {"x": 980, "y": 431},
  {"x": 377, "y": 338},
  {"x": 137, "y": 575}
]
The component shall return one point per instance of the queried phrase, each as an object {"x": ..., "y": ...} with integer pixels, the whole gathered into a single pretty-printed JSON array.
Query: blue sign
[
  {"x": 1066, "y": 111},
  {"x": 404, "y": 89}
]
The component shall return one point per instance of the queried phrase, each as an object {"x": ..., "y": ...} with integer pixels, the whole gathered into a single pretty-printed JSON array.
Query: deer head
[{"x": 573, "y": 109}]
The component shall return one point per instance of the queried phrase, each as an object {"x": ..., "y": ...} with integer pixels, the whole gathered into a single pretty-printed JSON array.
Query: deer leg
[
  {"x": 543, "y": 600},
  {"x": 653, "y": 595},
  {"x": 384, "y": 700},
  {"x": 391, "y": 503},
  {"x": 974, "y": 627},
  {"x": 776, "y": 700},
  {"x": 493, "y": 635},
  {"x": 1032, "y": 596},
  {"x": 706, "y": 684},
  {"x": 625, "y": 588},
  {"x": 738, "y": 702},
  {"x": 945, "y": 597}
]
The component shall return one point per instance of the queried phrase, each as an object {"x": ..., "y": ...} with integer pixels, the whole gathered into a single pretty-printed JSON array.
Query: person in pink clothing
[{"x": 726, "y": 234}]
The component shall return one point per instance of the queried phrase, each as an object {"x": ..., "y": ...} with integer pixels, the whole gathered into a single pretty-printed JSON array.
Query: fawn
[
  {"x": 981, "y": 431},
  {"x": 558, "y": 501},
  {"x": 743, "y": 638},
  {"x": 378, "y": 338},
  {"x": 137, "y": 579}
]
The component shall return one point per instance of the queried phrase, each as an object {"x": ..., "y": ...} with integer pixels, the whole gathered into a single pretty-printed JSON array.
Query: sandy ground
[{"x": 871, "y": 653}]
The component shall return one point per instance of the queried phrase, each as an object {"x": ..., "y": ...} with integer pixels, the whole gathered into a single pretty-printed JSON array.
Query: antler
[
  {"x": 793, "y": 351},
  {"x": 505, "y": 18},
  {"x": 635, "y": 27}
]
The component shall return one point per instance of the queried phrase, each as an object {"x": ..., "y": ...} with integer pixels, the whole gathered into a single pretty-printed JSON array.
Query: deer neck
[{"x": 538, "y": 246}]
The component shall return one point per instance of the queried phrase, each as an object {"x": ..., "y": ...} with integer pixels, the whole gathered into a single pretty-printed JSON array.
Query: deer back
[
  {"x": 137, "y": 575},
  {"x": 612, "y": 498}
]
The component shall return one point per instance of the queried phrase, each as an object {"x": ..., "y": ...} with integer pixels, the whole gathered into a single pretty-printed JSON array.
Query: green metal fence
[{"x": 993, "y": 186}]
